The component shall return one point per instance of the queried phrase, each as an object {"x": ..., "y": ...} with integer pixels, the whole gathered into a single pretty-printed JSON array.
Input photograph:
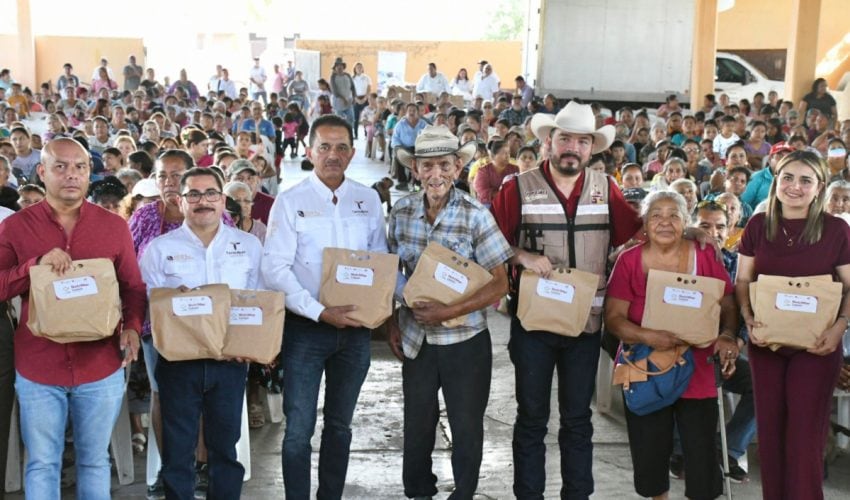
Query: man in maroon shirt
[
  {"x": 84, "y": 379},
  {"x": 561, "y": 214},
  {"x": 245, "y": 171}
]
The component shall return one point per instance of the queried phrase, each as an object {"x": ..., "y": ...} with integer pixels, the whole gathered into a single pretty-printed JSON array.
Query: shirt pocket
[
  {"x": 181, "y": 272},
  {"x": 358, "y": 230},
  {"x": 314, "y": 233},
  {"x": 461, "y": 245},
  {"x": 235, "y": 271}
]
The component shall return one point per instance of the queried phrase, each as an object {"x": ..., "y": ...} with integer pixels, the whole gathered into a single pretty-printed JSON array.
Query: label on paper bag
[
  {"x": 192, "y": 306},
  {"x": 796, "y": 303},
  {"x": 451, "y": 278},
  {"x": 554, "y": 290},
  {"x": 350, "y": 275},
  {"x": 246, "y": 316},
  {"x": 682, "y": 297},
  {"x": 72, "y": 288}
]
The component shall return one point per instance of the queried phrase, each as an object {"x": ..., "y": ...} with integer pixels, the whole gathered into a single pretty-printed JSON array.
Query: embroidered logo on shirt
[
  {"x": 596, "y": 197},
  {"x": 179, "y": 258},
  {"x": 308, "y": 213},
  {"x": 237, "y": 251}
]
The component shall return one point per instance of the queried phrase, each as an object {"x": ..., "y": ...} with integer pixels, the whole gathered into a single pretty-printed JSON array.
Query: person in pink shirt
[
  {"x": 489, "y": 178},
  {"x": 665, "y": 217}
]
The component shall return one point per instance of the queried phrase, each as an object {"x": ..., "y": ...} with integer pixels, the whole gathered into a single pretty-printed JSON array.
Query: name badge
[
  {"x": 598, "y": 209},
  {"x": 72, "y": 288},
  {"x": 682, "y": 297},
  {"x": 451, "y": 278},
  {"x": 796, "y": 303},
  {"x": 192, "y": 306},
  {"x": 246, "y": 316},
  {"x": 562, "y": 292},
  {"x": 350, "y": 275}
]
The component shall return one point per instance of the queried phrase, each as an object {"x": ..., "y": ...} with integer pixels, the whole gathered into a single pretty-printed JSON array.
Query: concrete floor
[{"x": 376, "y": 452}]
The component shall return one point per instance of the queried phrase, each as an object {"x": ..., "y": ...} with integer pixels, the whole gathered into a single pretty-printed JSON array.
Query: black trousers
[
  {"x": 463, "y": 371},
  {"x": 7, "y": 386},
  {"x": 651, "y": 443}
]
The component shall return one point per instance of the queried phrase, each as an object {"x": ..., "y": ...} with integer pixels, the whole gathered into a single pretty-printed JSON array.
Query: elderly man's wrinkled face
[{"x": 437, "y": 175}]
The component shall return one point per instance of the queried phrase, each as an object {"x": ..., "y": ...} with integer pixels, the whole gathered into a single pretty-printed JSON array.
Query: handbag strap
[
  {"x": 684, "y": 253},
  {"x": 679, "y": 351}
]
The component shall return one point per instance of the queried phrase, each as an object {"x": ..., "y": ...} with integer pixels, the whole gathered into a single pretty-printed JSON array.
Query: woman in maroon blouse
[{"x": 793, "y": 387}]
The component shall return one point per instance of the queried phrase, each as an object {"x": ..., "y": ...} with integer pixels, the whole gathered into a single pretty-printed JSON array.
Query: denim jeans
[
  {"x": 463, "y": 371},
  {"x": 346, "y": 113},
  {"x": 255, "y": 96},
  {"x": 93, "y": 408},
  {"x": 188, "y": 390},
  {"x": 535, "y": 356},
  {"x": 311, "y": 349}
]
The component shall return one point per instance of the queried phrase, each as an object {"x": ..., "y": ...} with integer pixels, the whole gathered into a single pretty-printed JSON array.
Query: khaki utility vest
[{"x": 581, "y": 242}]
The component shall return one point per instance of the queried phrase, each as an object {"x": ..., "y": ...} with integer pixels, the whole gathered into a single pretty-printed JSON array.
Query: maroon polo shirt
[
  {"x": 31, "y": 233},
  {"x": 262, "y": 207}
]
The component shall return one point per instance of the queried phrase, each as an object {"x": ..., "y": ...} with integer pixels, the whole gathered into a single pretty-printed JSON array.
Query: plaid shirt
[{"x": 463, "y": 226}]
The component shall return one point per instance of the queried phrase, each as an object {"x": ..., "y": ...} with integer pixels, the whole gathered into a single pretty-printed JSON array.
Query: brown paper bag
[
  {"x": 685, "y": 305},
  {"x": 255, "y": 328},
  {"x": 795, "y": 311},
  {"x": 444, "y": 276},
  {"x": 191, "y": 324},
  {"x": 81, "y": 305},
  {"x": 363, "y": 279},
  {"x": 560, "y": 304}
]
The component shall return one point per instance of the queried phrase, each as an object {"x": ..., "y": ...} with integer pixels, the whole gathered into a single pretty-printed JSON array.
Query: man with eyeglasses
[
  {"x": 201, "y": 251},
  {"x": 327, "y": 209}
]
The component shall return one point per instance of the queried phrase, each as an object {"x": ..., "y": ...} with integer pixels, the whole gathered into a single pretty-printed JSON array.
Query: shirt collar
[
  {"x": 188, "y": 233},
  {"x": 324, "y": 191}
]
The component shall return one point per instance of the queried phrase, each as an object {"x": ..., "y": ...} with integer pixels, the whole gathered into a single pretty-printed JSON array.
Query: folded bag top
[{"x": 82, "y": 305}]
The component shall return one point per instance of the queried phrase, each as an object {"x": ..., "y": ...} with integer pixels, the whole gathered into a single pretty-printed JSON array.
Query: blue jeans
[
  {"x": 347, "y": 113},
  {"x": 255, "y": 96},
  {"x": 93, "y": 408},
  {"x": 463, "y": 372},
  {"x": 309, "y": 350},
  {"x": 535, "y": 356},
  {"x": 188, "y": 390}
]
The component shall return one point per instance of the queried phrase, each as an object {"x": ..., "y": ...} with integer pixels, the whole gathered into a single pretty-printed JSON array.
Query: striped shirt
[{"x": 463, "y": 226}]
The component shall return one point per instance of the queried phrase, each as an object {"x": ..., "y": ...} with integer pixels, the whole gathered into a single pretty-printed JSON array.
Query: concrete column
[
  {"x": 802, "y": 48},
  {"x": 705, "y": 48},
  {"x": 24, "y": 71}
]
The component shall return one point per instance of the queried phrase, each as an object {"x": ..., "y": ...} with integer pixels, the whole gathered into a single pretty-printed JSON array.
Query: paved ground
[{"x": 375, "y": 465}]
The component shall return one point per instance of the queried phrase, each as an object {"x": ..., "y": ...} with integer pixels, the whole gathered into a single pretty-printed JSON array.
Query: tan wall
[
  {"x": 506, "y": 57},
  {"x": 764, "y": 24},
  {"x": 84, "y": 54}
]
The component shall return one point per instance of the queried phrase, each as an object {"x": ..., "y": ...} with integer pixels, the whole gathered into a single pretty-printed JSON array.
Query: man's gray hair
[
  {"x": 657, "y": 196},
  {"x": 234, "y": 186},
  {"x": 128, "y": 174}
]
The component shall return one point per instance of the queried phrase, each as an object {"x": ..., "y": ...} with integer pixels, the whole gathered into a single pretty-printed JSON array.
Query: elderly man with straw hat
[
  {"x": 456, "y": 359},
  {"x": 562, "y": 214}
]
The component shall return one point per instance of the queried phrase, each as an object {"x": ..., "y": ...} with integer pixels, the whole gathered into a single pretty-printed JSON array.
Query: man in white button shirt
[
  {"x": 200, "y": 252},
  {"x": 324, "y": 210},
  {"x": 487, "y": 85},
  {"x": 433, "y": 82}
]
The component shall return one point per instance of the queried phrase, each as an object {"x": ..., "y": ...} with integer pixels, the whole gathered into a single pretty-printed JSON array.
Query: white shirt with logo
[
  {"x": 303, "y": 222},
  {"x": 180, "y": 258}
]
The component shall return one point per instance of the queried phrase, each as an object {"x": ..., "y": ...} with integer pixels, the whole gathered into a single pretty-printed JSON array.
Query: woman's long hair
[{"x": 814, "y": 220}]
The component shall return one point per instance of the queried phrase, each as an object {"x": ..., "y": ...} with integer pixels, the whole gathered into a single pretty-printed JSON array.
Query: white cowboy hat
[
  {"x": 577, "y": 119},
  {"x": 437, "y": 140}
]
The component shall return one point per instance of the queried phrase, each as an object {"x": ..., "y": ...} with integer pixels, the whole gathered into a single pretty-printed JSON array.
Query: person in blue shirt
[
  {"x": 404, "y": 136},
  {"x": 759, "y": 185},
  {"x": 257, "y": 123}
]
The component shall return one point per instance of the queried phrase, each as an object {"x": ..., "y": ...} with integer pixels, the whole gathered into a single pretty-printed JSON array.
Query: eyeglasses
[
  {"x": 711, "y": 204},
  {"x": 691, "y": 150},
  {"x": 210, "y": 195}
]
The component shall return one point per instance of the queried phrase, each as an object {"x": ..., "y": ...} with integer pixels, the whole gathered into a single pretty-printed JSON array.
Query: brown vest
[{"x": 581, "y": 242}]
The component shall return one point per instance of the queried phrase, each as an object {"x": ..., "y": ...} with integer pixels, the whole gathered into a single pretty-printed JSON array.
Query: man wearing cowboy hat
[
  {"x": 342, "y": 91},
  {"x": 561, "y": 214},
  {"x": 456, "y": 359}
]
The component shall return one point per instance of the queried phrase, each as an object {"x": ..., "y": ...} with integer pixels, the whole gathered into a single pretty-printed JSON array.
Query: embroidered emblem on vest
[{"x": 534, "y": 195}]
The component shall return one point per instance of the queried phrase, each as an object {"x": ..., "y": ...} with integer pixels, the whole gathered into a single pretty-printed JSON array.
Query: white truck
[{"x": 635, "y": 51}]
